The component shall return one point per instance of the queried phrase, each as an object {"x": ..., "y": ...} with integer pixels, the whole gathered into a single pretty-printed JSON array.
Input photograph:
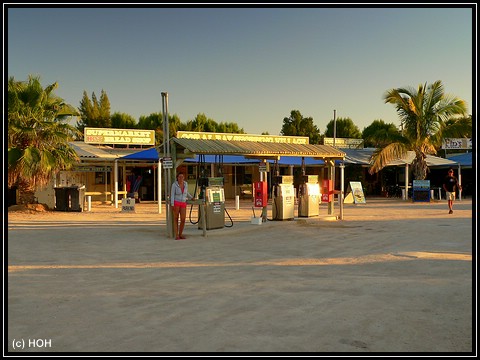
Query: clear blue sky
[{"x": 251, "y": 66}]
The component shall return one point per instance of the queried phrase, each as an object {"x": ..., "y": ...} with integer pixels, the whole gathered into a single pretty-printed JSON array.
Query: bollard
[
  {"x": 237, "y": 202},
  {"x": 89, "y": 203}
]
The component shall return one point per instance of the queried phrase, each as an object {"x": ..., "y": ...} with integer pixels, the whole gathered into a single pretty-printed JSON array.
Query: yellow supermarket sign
[{"x": 118, "y": 136}]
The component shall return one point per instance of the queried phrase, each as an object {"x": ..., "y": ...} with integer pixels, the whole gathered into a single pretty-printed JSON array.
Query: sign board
[
  {"x": 128, "y": 205},
  {"x": 242, "y": 137},
  {"x": 167, "y": 163},
  {"x": 263, "y": 167},
  {"x": 355, "y": 193},
  {"x": 457, "y": 143},
  {"x": 92, "y": 168},
  {"x": 421, "y": 190},
  {"x": 118, "y": 136},
  {"x": 344, "y": 143}
]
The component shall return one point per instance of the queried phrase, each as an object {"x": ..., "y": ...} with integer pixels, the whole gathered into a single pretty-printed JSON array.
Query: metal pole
[
  {"x": 334, "y": 126},
  {"x": 333, "y": 168},
  {"x": 406, "y": 182},
  {"x": 459, "y": 182},
  {"x": 166, "y": 147},
  {"x": 116, "y": 183},
  {"x": 342, "y": 183},
  {"x": 159, "y": 186}
]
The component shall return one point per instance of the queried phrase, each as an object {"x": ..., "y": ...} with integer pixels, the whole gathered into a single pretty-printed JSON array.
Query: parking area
[{"x": 392, "y": 277}]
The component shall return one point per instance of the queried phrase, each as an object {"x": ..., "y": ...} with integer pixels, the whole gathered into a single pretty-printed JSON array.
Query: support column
[
  {"x": 263, "y": 177},
  {"x": 406, "y": 182},
  {"x": 331, "y": 173},
  {"x": 115, "y": 173},
  {"x": 159, "y": 185},
  {"x": 459, "y": 183},
  {"x": 342, "y": 185},
  {"x": 168, "y": 174}
]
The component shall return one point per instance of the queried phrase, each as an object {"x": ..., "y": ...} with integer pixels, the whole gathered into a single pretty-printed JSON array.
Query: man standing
[{"x": 450, "y": 185}]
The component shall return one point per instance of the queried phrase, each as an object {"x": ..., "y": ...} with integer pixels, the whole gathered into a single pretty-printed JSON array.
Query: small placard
[
  {"x": 421, "y": 190},
  {"x": 263, "y": 167},
  {"x": 128, "y": 205},
  {"x": 167, "y": 163},
  {"x": 355, "y": 193}
]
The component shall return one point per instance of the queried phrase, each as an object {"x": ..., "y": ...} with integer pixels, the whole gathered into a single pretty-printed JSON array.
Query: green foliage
[
  {"x": 424, "y": 113},
  {"x": 151, "y": 122},
  {"x": 123, "y": 121},
  {"x": 37, "y": 137},
  {"x": 458, "y": 128},
  {"x": 380, "y": 134},
  {"x": 94, "y": 113},
  {"x": 202, "y": 123},
  {"x": 345, "y": 129},
  {"x": 297, "y": 125}
]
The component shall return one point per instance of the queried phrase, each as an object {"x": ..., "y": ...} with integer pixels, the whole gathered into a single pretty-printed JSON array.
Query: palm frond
[{"x": 382, "y": 157}]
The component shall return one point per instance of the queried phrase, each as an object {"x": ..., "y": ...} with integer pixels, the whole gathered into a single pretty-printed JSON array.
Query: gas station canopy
[{"x": 256, "y": 149}]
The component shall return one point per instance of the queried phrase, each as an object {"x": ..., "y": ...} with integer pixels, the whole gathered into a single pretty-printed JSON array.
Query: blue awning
[
  {"x": 353, "y": 156},
  {"x": 150, "y": 154},
  {"x": 464, "y": 160}
]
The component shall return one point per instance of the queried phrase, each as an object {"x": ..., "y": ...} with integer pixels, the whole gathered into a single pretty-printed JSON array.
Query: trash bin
[
  {"x": 61, "y": 199},
  {"x": 12, "y": 195},
  {"x": 69, "y": 198},
  {"x": 77, "y": 198}
]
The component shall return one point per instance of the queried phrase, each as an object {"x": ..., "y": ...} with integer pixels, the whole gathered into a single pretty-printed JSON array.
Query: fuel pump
[
  {"x": 283, "y": 198},
  {"x": 211, "y": 195},
  {"x": 309, "y": 196},
  {"x": 327, "y": 191},
  {"x": 214, "y": 204},
  {"x": 260, "y": 194}
]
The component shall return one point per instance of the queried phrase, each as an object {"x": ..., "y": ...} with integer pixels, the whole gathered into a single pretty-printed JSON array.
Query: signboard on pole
[
  {"x": 457, "y": 143},
  {"x": 263, "y": 166},
  {"x": 167, "y": 163},
  {"x": 128, "y": 205},
  {"x": 355, "y": 193}
]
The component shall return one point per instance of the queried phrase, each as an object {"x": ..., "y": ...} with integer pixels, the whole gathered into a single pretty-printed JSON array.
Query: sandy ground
[{"x": 392, "y": 277}]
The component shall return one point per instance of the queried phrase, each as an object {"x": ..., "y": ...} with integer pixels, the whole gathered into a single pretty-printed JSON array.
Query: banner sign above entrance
[
  {"x": 92, "y": 168},
  {"x": 344, "y": 143},
  {"x": 242, "y": 137},
  {"x": 458, "y": 143},
  {"x": 119, "y": 136}
]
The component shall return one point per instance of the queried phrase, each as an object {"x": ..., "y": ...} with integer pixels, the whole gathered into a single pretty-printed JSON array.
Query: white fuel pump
[
  {"x": 283, "y": 198},
  {"x": 214, "y": 204},
  {"x": 309, "y": 196}
]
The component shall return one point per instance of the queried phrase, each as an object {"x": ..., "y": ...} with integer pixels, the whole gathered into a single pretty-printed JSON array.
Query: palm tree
[
  {"x": 423, "y": 114},
  {"x": 458, "y": 128},
  {"x": 37, "y": 136}
]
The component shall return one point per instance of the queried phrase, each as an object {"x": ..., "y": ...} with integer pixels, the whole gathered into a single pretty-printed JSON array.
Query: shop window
[
  {"x": 101, "y": 179},
  {"x": 240, "y": 175}
]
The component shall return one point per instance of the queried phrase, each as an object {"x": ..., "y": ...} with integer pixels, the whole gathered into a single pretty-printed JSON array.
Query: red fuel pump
[
  {"x": 327, "y": 190},
  {"x": 260, "y": 194}
]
